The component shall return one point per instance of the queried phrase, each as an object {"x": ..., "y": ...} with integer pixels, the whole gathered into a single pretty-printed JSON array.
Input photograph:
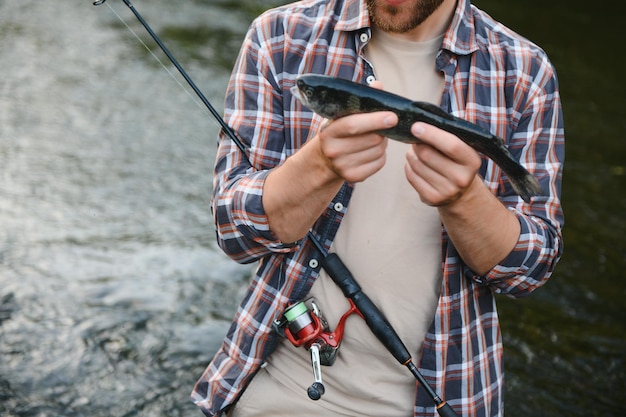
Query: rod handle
[
  {"x": 374, "y": 318},
  {"x": 445, "y": 410}
]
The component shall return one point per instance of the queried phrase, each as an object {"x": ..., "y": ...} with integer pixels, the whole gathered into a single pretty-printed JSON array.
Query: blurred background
[{"x": 113, "y": 294}]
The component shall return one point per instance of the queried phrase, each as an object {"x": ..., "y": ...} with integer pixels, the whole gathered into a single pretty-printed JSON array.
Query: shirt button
[
  {"x": 364, "y": 37},
  {"x": 338, "y": 207},
  {"x": 370, "y": 79},
  {"x": 314, "y": 263}
]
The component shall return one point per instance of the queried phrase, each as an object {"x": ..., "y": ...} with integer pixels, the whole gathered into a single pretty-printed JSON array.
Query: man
[{"x": 430, "y": 231}]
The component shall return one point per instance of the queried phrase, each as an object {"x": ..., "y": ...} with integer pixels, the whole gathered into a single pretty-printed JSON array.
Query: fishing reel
[{"x": 304, "y": 325}]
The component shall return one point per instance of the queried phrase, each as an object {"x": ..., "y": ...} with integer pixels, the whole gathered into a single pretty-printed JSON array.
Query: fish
[{"x": 332, "y": 98}]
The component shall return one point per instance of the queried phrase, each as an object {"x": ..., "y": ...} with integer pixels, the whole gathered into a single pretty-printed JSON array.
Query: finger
[
  {"x": 426, "y": 192},
  {"x": 359, "y": 124},
  {"x": 353, "y": 164},
  {"x": 377, "y": 85},
  {"x": 433, "y": 185},
  {"x": 367, "y": 147},
  {"x": 370, "y": 145},
  {"x": 437, "y": 167},
  {"x": 446, "y": 143},
  {"x": 358, "y": 172}
]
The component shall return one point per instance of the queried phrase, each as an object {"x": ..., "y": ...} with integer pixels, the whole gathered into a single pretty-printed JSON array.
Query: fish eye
[{"x": 308, "y": 92}]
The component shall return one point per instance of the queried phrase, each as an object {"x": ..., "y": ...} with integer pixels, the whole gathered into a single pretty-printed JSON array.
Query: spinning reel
[{"x": 304, "y": 325}]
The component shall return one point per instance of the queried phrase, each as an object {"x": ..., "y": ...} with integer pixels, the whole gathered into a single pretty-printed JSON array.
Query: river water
[{"x": 113, "y": 295}]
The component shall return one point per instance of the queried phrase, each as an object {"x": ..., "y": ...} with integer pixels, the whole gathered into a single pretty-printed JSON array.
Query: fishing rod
[
  {"x": 182, "y": 72},
  {"x": 332, "y": 264}
]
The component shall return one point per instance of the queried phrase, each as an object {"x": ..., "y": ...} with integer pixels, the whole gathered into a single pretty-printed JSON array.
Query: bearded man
[{"x": 431, "y": 231}]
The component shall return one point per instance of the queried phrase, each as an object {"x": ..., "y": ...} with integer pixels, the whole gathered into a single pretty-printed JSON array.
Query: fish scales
[{"x": 333, "y": 98}]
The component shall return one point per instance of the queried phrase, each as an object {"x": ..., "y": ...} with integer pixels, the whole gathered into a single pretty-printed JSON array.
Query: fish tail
[{"x": 525, "y": 184}]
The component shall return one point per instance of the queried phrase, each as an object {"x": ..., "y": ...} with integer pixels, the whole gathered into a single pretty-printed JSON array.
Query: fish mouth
[{"x": 295, "y": 91}]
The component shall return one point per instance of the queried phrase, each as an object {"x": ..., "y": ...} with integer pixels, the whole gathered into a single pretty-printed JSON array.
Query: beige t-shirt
[{"x": 391, "y": 242}]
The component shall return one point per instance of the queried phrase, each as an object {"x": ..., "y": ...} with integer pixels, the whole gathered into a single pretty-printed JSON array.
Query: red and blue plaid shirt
[{"x": 493, "y": 77}]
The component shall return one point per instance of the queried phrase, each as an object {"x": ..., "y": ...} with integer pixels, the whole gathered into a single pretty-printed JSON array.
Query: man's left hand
[{"x": 442, "y": 168}]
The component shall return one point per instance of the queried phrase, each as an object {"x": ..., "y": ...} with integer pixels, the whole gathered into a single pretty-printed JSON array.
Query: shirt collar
[
  {"x": 353, "y": 16},
  {"x": 459, "y": 38}
]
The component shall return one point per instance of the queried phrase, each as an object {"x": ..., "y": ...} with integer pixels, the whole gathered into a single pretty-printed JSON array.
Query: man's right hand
[
  {"x": 350, "y": 146},
  {"x": 297, "y": 192}
]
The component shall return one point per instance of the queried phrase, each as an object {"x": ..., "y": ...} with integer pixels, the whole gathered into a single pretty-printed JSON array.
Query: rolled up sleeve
[
  {"x": 530, "y": 263},
  {"x": 254, "y": 110},
  {"x": 243, "y": 230},
  {"x": 539, "y": 145}
]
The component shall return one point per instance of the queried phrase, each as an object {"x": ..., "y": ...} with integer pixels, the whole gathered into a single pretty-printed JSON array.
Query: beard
[{"x": 401, "y": 18}]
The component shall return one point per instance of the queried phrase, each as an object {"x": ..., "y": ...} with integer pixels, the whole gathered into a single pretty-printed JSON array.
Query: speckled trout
[{"x": 333, "y": 98}]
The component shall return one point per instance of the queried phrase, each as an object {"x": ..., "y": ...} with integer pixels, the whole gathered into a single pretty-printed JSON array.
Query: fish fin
[
  {"x": 525, "y": 185},
  {"x": 434, "y": 109}
]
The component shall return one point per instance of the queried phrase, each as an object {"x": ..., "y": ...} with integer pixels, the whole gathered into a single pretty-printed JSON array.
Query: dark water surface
[{"x": 113, "y": 295}]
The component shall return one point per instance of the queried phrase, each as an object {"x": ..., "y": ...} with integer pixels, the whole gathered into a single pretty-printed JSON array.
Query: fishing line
[{"x": 171, "y": 74}]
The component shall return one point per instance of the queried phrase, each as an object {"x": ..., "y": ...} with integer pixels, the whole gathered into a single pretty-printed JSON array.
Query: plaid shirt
[{"x": 493, "y": 77}]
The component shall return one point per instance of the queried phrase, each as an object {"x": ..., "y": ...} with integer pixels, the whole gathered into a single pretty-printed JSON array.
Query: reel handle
[{"x": 316, "y": 390}]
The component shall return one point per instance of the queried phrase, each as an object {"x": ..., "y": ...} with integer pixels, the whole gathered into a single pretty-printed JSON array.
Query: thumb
[{"x": 377, "y": 85}]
